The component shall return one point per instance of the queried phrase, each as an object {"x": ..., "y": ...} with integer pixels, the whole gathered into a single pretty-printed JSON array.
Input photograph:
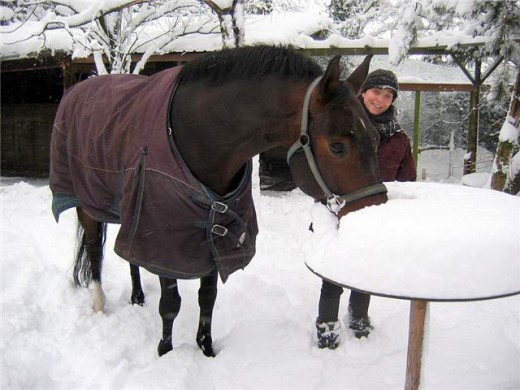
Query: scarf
[{"x": 386, "y": 124}]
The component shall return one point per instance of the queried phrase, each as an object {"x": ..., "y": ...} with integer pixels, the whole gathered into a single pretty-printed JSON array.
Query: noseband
[{"x": 334, "y": 202}]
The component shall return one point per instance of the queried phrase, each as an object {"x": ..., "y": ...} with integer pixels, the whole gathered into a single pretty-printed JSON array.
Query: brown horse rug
[{"x": 112, "y": 154}]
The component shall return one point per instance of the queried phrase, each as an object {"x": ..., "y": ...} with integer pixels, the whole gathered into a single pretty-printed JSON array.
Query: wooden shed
[{"x": 32, "y": 88}]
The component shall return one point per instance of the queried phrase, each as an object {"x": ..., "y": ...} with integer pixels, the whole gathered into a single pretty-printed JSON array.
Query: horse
[{"x": 168, "y": 158}]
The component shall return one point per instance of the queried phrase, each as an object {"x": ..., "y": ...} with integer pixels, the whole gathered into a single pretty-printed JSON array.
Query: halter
[{"x": 334, "y": 202}]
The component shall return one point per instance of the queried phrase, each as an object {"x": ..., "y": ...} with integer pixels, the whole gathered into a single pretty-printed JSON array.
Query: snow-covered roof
[{"x": 296, "y": 29}]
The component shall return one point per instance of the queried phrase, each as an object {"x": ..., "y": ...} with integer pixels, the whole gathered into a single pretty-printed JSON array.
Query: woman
[{"x": 396, "y": 163}]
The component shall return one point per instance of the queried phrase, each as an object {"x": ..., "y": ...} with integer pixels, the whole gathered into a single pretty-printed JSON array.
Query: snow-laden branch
[
  {"x": 111, "y": 30},
  {"x": 496, "y": 24}
]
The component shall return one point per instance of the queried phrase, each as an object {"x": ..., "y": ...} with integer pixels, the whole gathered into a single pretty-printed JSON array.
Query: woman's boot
[{"x": 328, "y": 334}]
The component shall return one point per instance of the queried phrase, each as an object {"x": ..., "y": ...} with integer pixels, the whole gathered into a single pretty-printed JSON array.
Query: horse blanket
[{"x": 113, "y": 154}]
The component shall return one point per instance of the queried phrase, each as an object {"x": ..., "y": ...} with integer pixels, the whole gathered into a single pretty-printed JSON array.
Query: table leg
[{"x": 418, "y": 311}]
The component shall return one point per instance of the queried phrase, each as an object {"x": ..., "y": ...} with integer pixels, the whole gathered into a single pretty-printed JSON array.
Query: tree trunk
[
  {"x": 231, "y": 20},
  {"x": 506, "y": 174}
]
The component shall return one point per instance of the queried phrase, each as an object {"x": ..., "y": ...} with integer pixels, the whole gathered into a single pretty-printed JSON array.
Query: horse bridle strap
[{"x": 334, "y": 202}]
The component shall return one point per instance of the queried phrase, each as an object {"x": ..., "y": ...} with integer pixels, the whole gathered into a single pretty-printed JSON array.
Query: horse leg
[
  {"x": 207, "y": 297},
  {"x": 137, "y": 290},
  {"x": 169, "y": 306},
  {"x": 89, "y": 257}
]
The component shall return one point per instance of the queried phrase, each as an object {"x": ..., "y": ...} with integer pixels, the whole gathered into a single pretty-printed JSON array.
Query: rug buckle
[
  {"x": 219, "y": 230},
  {"x": 219, "y": 207}
]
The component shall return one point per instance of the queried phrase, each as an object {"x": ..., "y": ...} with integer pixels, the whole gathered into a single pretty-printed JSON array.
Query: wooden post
[
  {"x": 418, "y": 311},
  {"x": 416, "y": 126},
  {"x": 68, "y": 73},
  {"x": 470, "y": 161}
]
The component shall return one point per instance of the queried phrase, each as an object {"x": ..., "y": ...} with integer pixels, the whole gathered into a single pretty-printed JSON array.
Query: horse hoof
[
  {"x": 98, "y": 297},
  {"x": 205, "y": 343},
  {"x": 138, "y": 299},
  {"x": 165, "y": 346}
]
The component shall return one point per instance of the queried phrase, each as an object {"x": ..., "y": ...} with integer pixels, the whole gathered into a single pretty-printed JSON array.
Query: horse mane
[{"x": 251, "y": 63}]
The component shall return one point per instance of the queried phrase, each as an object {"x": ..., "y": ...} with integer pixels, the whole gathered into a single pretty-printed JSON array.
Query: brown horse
[{"x": 168, "y": 157}]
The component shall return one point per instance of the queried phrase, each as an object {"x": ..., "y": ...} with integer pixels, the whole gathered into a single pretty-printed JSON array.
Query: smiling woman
[
  {"x": 378, "y": 100},
  {"x": 378, "y": 94},
  {"x": 379, "y": 91}
]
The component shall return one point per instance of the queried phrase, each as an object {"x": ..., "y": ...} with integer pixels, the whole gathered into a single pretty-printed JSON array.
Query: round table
[{"x": 429, "y": 242}]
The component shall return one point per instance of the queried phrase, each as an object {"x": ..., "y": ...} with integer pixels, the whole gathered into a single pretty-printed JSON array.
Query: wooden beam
[
  {"x": 462, "y": 67},
  {"x": 441, "y": 87},
  {"x": 347, "y": 51},
  {"x": 492, "y": 68}
]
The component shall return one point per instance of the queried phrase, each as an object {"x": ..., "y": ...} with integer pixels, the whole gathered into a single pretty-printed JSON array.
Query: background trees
[
  {"x": 497, "y": 23},
  {"x": 111, "y": 31}
]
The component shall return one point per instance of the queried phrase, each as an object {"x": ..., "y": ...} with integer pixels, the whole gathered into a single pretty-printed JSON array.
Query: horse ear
[
  {"x": 357, "y": 78},
  {"x": 330, "y": 80}
]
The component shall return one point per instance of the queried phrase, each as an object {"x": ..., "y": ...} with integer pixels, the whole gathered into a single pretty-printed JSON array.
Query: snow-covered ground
[{"x": 263, "y": 323}]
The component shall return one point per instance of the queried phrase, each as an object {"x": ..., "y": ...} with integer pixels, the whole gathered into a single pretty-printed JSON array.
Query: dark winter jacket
[
  {"x": 396, "y": 162},
  {"x": 395, "y": 157}
]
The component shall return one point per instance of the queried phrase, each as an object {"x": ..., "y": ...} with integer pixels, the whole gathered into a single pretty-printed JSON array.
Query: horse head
[{"x": 335, "y": 158}]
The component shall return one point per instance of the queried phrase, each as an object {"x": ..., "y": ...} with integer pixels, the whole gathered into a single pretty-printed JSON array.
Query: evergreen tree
[
  {"x": 355, "y": 19},
  {"x": 497, "y": 23},
  {"x": 258, "y": 7},
  {"x": 353, "y": 15}
]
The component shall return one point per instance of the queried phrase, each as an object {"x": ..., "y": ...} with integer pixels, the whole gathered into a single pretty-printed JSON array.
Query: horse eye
[{"x": 337, "y": 148}]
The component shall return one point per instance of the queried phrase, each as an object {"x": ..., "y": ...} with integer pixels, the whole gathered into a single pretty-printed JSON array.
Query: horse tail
[{"x": 89, "y": 254}]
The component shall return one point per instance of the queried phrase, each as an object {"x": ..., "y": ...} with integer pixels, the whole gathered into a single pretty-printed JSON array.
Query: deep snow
[
  {"x": 264, "y": 317},
  {"x": 263, "y": 321}
]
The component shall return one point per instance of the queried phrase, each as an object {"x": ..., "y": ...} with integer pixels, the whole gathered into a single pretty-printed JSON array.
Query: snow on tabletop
[{"x": 431, "y": 241}]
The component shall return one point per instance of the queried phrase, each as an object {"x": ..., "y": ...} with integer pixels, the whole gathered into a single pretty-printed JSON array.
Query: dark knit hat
[{"x": 381, "y": 78}]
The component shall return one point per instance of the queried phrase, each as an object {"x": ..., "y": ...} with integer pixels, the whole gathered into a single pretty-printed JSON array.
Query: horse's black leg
[
  {"x": 207, "y": 297},
  {"x": 137, "y": 289},
  {"x": 89, "y": 257},
  {"x": 169, "y": 306}
]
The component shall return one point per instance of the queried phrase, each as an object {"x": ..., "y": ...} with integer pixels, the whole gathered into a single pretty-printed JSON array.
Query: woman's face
[{"x": 377, "y": 100}]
